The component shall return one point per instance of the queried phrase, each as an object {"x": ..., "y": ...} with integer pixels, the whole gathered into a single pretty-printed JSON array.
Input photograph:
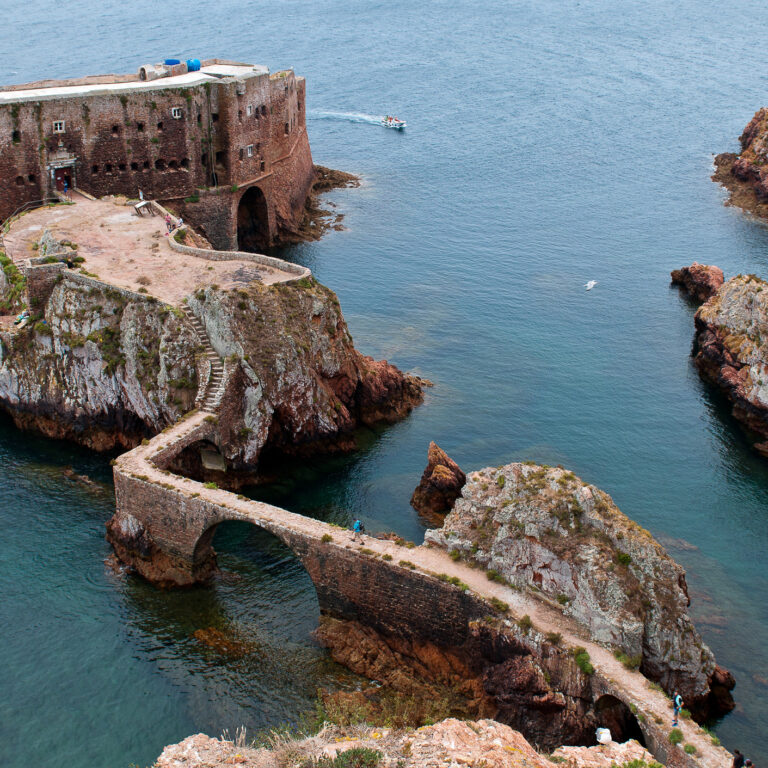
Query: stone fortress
[{"x": 225, "y": 143}]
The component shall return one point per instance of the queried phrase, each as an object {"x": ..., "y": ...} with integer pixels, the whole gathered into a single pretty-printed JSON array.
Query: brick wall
[{"x": 233, "y": 133}]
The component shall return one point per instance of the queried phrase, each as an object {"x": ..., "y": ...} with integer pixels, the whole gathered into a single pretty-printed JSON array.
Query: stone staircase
[{"x": 210, "y": 400}]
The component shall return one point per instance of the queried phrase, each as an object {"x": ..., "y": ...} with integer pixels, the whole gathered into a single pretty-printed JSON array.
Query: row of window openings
[
  {"x": 30, "y": 179},
  {"x": 60, "y": 126},
  {"x": 159, "y": 165}
]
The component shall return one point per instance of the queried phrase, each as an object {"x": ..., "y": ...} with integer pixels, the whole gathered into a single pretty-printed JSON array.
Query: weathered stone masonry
[
  {"x": 164, "y": 526},
  {"x": 225, "y": 144}
]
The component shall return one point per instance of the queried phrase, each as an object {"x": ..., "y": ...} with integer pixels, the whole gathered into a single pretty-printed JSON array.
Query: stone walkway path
[{"x": 634, "y": 687}]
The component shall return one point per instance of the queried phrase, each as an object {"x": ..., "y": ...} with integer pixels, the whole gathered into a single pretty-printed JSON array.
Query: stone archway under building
[
  {"x": 253, "y": 221},
  {"x": 614, "y": 714}
]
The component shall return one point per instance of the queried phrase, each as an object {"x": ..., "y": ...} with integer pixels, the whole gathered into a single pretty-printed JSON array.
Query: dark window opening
[
  {"x": 160, "y": 126},
  {"x": 240, "y": 115},
  {"x": 121, "y": 167},
  {"x": 31, "y": 178},
  {"x": 241, "y": 154},
  {"x": 185, "y": 163},
  {"x": 172, "y": 164},
  {"x": 160, "y": 164},
  {"x": 146, "y": 165},
  {"x": 134, "y": 166},
  {"x": 262, "y": 165},
  {"x": 19, "y": 179},
  {"x": 221, "y": 159},
  {"x": 16, "y": 136},
  {"x": 263, "y": 110},
  {"x": 215, "y": 117},
  {"x": 108, "y": 168},
  {"x": 94, "y": 169},
  {"x": 204, "y": 159},
  {"x": 140, "y": 127},
  {"x": 115, "y": 130},
  {"x": 287, "y": 129}
]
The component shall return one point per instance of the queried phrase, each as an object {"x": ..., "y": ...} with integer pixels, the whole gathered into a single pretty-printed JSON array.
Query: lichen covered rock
[
  {"x": 545, "y": 529},
  {"x": 732, "y": 349},
  {"x": 107, "y": 368},
  {"x": 450, "y": 742},
  {"x": 440, "y": 484}
]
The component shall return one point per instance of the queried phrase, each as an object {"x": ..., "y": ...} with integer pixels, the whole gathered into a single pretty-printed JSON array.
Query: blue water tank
[
  {"x": 193, "y": 65},
  {"x": 171, "y": 62}
]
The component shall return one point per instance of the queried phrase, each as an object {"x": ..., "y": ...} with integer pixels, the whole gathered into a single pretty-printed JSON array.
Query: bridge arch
[
  {"x": 614, "y": 714},
  {"x": 253, "y": 221}
]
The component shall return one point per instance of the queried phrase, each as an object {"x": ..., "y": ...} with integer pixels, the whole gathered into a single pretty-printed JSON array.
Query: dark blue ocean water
[{"x": 548, "y": 144}]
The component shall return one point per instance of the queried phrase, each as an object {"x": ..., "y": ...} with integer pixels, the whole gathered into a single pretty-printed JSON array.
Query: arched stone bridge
[{"x": 164, "y": 525}]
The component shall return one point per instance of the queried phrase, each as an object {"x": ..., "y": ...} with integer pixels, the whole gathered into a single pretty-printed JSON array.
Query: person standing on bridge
[
  {"x": 358, "y": 527},
  {"x": 677, "y": 705}
]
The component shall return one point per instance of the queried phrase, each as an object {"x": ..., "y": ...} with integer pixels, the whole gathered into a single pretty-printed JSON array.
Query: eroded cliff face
[
  {"x": 512, "y": 674},
  {"x": 107, "y": 369},
  {"x": 448, "y": 743},
  {"x": 544, "y": 529},
  {"x": 745, "y": 175},
  {"x": 99, "y": 368},
  {"x": 298, "y": 384},
  {"x": 732, "y": 350}
]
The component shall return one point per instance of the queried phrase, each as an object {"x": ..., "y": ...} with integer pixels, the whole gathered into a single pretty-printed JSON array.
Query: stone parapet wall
[{"x": 256, "y": 258}]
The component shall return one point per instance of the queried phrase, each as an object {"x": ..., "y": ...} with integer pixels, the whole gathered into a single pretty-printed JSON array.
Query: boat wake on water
[{"x": 356, "y": 117}]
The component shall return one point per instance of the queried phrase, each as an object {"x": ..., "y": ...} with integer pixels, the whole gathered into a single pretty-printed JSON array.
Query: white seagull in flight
[{"x": 590, "y": 285}]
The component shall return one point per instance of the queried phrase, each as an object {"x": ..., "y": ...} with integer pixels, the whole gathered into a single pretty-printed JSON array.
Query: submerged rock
[
  {"x": 699, "y": 280},
  {"x": 440, "y": 485},
  {"x": 732, "y": 350},
  {"x": 543, "y": 528}
]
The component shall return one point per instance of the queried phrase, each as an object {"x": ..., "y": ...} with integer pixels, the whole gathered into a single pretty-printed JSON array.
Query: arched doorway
[
  {"x": 252, "y": 221},
  {"x": 617, "y": 716}
]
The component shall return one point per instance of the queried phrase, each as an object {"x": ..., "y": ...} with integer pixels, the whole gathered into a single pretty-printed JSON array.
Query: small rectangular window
[
  {"x": 249, "y": 110},
  {"x": 176, "y": 113},
  {"x": 59, "y": 126},
  {"x": 249, "y": 150}
]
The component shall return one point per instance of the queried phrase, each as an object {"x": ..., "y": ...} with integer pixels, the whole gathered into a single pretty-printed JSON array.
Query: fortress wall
[{"x": 126, "y": 142}]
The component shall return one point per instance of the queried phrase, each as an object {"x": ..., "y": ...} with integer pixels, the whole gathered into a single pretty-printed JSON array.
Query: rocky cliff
[
  {"x": 732, "y": 350},
  {"x": 107, "y": 368},
  {"x": 745, "y": 175},
  {"x": 448, "y": 743},
  {"x": 544, "y": 529}
]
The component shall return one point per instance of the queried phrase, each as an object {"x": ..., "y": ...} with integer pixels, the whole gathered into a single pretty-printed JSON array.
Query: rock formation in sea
[
  {"x": 731, "y": 350},
  {"x": 544, "y": 529},
  {"x": 448, "y": 743},
  {"x": 745, "y": 175},
  {"x": 700, "y": 281},
  {"x": 107, "y": 368},
  {"x": 440, "y": 485}
]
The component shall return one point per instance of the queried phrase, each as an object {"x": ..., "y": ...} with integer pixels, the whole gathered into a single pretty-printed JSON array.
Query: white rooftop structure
[{"x": 161, "y": 81}]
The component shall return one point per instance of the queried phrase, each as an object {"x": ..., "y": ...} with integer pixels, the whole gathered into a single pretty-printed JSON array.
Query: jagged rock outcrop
[
  {"x": 543, "y": 528},
  {"x": 440, "y": 484},
  {"x": 98, "y": 368},
  {"x": 449, "y": 742},
  {"x": 512, "y": 674},
  {"x": 106, "y": 368},
  {"x": 732, "y": 350},
  {"x": 745, "y": 175},
  {"x": 701, "y": 281}
]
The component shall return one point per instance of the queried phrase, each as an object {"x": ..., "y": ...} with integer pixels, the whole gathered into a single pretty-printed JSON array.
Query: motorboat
[{"x": 390, "y": 121}]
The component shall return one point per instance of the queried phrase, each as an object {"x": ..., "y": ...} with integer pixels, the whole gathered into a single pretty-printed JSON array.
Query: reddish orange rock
[
  {"x": 701, "y": 281},
  {"x": 440, "y": 484}
]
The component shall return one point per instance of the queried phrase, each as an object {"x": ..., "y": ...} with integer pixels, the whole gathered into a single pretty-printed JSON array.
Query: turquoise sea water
[{"x": 548, "y": 144}]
